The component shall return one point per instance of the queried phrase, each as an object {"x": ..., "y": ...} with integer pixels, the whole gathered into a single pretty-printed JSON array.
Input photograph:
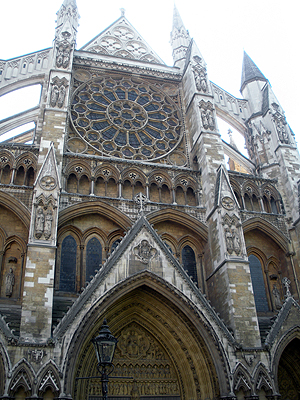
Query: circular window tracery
[{"x": 126, "y": 118}]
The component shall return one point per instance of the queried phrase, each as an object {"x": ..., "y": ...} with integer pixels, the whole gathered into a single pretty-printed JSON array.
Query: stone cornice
[{"x": 93, "y": 60}]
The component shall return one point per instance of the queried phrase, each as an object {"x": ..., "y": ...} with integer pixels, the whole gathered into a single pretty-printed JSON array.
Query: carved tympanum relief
[
  {"x": 141, "y": 357},
  {"x": 144, "y": 252}
]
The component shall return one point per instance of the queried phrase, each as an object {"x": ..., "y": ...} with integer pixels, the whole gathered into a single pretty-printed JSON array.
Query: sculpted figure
[
  {"x": 61, "y": 98},
  {"x": 54, "y": 95},
  {"x": 48, "y": 224},
  {"x": 39, "y": 223},
  {"x": 229, "y": 240},
  {"x": 276, "y": 296},
  {"x": 9, "y": 282},
  {"x": 210, "y": 119}
]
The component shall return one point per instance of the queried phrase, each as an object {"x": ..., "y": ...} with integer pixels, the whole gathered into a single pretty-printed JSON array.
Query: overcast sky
[{"x": 268, "y": 30}]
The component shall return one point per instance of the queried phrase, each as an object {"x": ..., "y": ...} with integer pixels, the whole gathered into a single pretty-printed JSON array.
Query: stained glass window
[
  {"x": 68, "y": 265},
  {"x": 189, "y": 262},
  {"x": 93, "y": 258}
]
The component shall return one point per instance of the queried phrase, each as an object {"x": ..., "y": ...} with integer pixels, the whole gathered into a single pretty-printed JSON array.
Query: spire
[
  {"x": 67, "y": 21},
  {"x": 250, "y": 72},
  {"x": 177, "y": 21},
  {"x": 180, "y": 38}
]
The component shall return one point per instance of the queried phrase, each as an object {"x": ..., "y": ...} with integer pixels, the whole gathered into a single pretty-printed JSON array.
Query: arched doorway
[
  {"x": 165, "y": 353},
  {"x": 289, "y": 371}
]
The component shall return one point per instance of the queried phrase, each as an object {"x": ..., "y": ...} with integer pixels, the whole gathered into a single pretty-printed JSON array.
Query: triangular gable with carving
[
  {"x": 141, "y": 252},
  {"x": 224, "y": 194},
  {"x": 288, "y": 314},
  {"x": 122, "y": 40}
]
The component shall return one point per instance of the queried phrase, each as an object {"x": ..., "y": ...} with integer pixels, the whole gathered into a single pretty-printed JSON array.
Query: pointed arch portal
[{"x": 162, "y": 346}]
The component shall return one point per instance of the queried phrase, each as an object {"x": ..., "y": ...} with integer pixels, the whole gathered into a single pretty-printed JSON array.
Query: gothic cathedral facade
[{"x": 123, "y": 207}]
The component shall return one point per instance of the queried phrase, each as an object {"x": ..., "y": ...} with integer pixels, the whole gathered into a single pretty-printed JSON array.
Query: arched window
[
  {"x": 258, "y": 284},
  {"x": 154, "y": 193},
  {"x": 180, "y": 198},
  {"x": 84, "y": 185},
  {"x": 256, "y": 206},
  {"x": 273, "y": 206},
  {"x": 127, "y": 190},
  {"x": 5, "y": 178},
  {"x": 29, "y": 177},
  {"x": 99, "y": 187},
  {"x": 115, "y": 245},
  {"x": 93, "y": 258},
  {"x": 248, "y": 204},
  {"x": 20, "y": 176},
  {"x": 68, "y": 265},
  {"x": 190, "y": 196},
  {"x": 112, "y": 188},
  {"x": 168, "y": 246},
  {"x": 189, "y": 262},
  {"x": 138, "y": 188},
  {"x": 72, "y": 184},
  {"x": 165, "y": 194},
  {"x": 266, "y": 204}
]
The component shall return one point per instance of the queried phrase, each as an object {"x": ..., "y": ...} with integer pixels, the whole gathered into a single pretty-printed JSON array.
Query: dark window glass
[
  {"x": 258, "y": 284},
  {"x": 93, "y": 258},
  {"x": 68, "y": 265},
  {"x": 115, "y": 245},
  {"x": 189, "y": 262}
]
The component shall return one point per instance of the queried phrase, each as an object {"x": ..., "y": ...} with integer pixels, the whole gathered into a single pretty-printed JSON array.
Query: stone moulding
[
  {"x": 112, "y": 66},
  {"x": 101, "y": 275}
]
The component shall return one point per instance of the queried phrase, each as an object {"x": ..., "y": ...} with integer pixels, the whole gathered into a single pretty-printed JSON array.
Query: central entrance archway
[{"x": 163, "y": 346}]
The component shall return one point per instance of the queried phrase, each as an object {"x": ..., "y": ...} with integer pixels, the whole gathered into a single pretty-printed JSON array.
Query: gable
[{"x": 121, "y": 40}]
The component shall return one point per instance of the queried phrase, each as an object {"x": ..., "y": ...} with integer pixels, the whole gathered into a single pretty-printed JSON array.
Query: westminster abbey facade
[{"x": 124, "y": 203}]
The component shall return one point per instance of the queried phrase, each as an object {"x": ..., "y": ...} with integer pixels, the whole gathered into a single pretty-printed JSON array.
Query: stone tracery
[{"x": 126, "y": 118}]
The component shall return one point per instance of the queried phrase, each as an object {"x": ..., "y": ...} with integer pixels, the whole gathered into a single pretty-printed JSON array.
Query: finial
[{"x": 122, "y": 12}]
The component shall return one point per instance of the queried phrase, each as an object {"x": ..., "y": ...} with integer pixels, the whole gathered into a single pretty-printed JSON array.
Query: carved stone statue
[
  {"x": 48, "y": 224},
  {"x": 200, "y": 79},
  {"x": 39, "y": 223},
  {"x": 9, "y": 282},
  {"x": 276, "y": 297},
  {"x": 58, "y": 92},
  {"x": 207, "y": 117},
  {"x": 229, "y": 240},
  {"x": 54, "y": 95},
  {"x": 63, "y": 55},
  {"x": 61, "y": 98}
]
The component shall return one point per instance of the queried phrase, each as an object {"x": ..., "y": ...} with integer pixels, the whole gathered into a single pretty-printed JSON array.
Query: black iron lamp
[{"x": 105, "y": 345}]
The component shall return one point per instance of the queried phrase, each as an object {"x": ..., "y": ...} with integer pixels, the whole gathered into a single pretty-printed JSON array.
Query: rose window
[{"x": 126, "y": 118}]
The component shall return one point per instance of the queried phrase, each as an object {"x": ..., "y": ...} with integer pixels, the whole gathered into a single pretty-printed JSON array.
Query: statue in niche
[
  {"x": 48, "y": 224},
  {"x": 210, "y": 119},
  {"x": 9, "y": 282},
  {"x": 58, "y": 92},
  {"x": 276, "y": 297},
  {"x": 61, "y": 97},
  {"x": 232, "y": 237},
  {"x": 39, "y": 223},
  {"x": 63, "y": 55},
  {"x": 229, "y": 240},
  {"x": 207, "y": 117},
  {"x": 200, "y": 79},
  {"x": 54, "y": 95}
]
